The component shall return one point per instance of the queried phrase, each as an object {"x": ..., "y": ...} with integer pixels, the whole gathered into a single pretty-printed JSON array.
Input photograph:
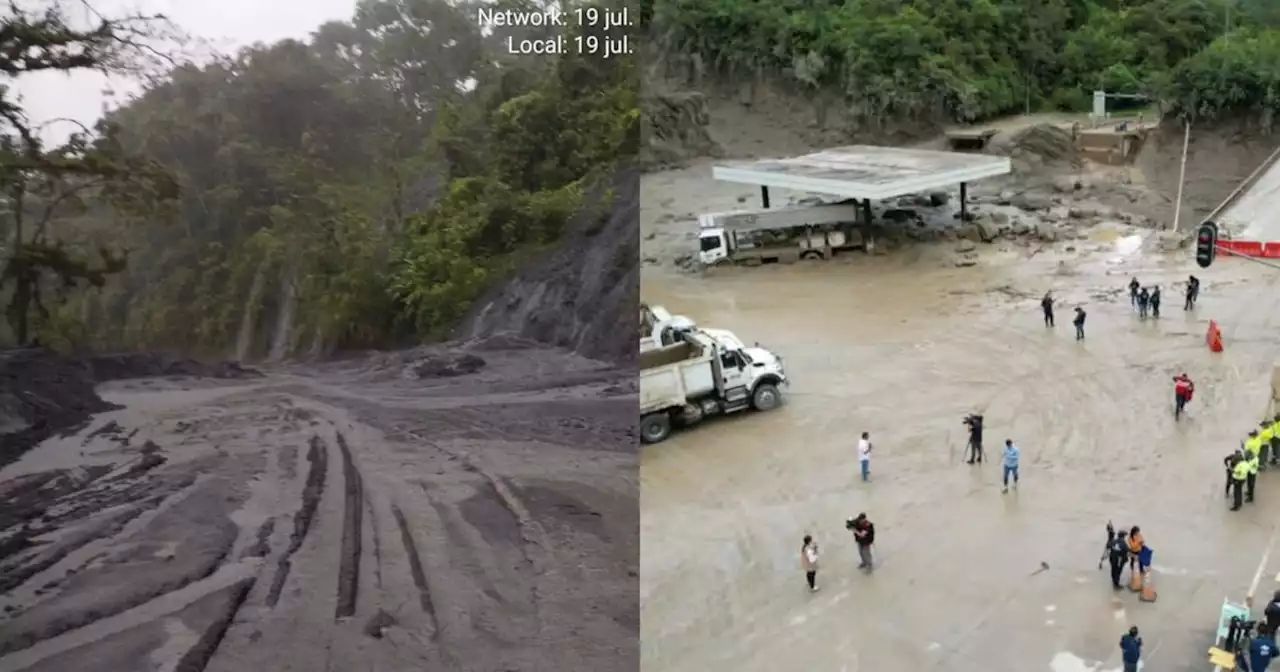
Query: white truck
[
  {"x": 779, "y": 235},
  {"x": 709, "y": 372}
]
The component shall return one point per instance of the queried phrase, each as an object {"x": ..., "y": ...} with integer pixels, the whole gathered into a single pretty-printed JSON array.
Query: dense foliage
[
  {"x": 972, "y": 59},
  {"x": 354, "y": 189}
]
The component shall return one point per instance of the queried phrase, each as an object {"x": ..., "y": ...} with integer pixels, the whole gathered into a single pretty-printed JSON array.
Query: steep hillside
[{"x": 582, "y": 295}]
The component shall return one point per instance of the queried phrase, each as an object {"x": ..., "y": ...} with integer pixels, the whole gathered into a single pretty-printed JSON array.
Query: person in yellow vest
[
  {"x": 1275, "y": 440},
  {"x": 1266, "y": 434},
  {"x": 1239, "y": 474},
  {"x": 1252, "y": 450},
  {"x": 1252, "y": 461},
  {"x": 1252, "y": 445}
]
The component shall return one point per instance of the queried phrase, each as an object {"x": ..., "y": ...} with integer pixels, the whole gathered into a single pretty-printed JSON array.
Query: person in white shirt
[
  {"x": 864, "y": 455},
  {"x": 809, "y": 561}
]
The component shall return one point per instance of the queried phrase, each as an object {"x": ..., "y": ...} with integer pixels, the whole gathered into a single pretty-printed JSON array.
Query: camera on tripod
[
  {"x": 1237, "y": 630},
  {"x": 973, "y": 421}
]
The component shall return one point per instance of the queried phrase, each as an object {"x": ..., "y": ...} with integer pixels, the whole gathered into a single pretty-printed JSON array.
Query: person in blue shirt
[
  {"x": 1263, "y": 649},
  {"x": 1131, "y": 648},
  {"x": 1011, "y": 455}
]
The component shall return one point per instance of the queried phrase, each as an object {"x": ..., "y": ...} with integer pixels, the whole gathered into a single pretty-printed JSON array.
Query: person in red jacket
[{"x": 1183, "y": 390}]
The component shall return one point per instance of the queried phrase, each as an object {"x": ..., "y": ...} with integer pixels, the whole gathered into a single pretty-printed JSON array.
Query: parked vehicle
[
  {"x": 708, "y": 372},
  {"x": 779, "y": 235}
]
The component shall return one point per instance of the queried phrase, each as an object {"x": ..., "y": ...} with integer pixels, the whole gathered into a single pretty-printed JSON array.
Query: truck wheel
[
  {"x": 811, "y": 255},
  {"x": 655, "y": 428},
  {"x": 766, "y": 397}
]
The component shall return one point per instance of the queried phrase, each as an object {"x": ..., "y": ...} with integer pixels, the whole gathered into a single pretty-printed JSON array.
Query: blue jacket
[
  {"x": 1011, "y": 455},
  {"x": 1261, "y": 652},
  {"x": 1132, "y": 648}
]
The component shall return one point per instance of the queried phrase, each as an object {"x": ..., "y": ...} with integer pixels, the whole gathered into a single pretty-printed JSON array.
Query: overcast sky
[{"x": 226, "y": 25}]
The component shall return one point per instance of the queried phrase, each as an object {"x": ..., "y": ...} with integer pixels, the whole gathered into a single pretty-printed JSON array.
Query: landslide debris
[{"x": 675, "y": 129}]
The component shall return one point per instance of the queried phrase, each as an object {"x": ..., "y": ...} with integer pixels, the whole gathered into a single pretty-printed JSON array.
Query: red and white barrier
[{"x": 1252, "y": 248}]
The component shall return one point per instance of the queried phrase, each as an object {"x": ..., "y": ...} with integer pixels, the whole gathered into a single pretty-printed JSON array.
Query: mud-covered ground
[
  {"x": 451, "y": 509},
  {"x": 903, "y": 345}
]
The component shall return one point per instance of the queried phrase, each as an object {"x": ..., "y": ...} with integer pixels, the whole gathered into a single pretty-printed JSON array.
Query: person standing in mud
[
  {"x": 1275, "y": 440},
  {"x": 1251, "y": 478},
  {"x": 809, "y": 561},
  {"x": 1012, "y": 456},
  {"x": 1267, "y": 435},
  {"x": 1252, "y": 454},
  {"x": 974, "y": 449},
  {"x": 864, "y": 456},
  {"x": 1079, "y": 323},
  {"x": 1133, "y": 292},
  {"x": 1117, "y": 555},
  {"x": 1183, "y": 389},
  {"x": 1229, "y": 462},
  {"x": 1144, "y": 299},
  {"x": 1046, "y": 304},
  {"x": 864, "y": 535},
  {"x": 1155, "y": 302},
  {"x": 1239, "y": 474},
  {"x": 1193, "y": 292}
]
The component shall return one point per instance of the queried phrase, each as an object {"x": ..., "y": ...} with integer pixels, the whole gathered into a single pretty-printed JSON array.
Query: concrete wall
[{"x": 1110, "y": 147}]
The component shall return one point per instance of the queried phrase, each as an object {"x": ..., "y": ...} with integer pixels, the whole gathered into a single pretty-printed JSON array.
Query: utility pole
[{"x": 1182, "y": 173}]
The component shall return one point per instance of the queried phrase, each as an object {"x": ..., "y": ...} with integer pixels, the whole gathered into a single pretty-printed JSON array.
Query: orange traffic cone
[
  {"x": 1213, "y": 337},
  {"x": 1135, "y": 583}
]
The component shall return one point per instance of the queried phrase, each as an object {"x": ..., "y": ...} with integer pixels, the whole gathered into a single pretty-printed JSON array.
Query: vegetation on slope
[
  {"x": 966, "y": 60},
  {"x": 355, "y": 189}
]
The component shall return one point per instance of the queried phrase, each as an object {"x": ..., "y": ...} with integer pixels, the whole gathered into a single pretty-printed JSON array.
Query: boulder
[
  {"x": 966, "y": 246},
  {"x": 1031, "y": 202},
  {"x": 899, "y": 215},
  {"x": 987, "y": 230},
  {"x": 939, "y": 198}
]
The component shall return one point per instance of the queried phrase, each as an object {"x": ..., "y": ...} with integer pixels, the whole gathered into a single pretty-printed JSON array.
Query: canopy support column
[
  {"x": 764, "y": 196},
  {"x": 964, "y": 202}
]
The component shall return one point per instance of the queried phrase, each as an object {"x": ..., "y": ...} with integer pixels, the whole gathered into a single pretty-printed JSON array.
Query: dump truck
[
  {"x": 779, "y": 235},
  {"x": 708, "y": 372}
]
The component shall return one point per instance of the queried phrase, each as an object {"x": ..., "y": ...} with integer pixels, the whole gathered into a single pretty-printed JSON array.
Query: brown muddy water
[{"x": 903, "y": 347}]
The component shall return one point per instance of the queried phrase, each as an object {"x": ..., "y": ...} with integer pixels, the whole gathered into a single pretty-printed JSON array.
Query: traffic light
[{"x": 1206, "y": 244}]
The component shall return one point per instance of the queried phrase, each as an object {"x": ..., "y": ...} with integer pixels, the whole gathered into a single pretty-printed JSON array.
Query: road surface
[{"x": 365, "y": 514}]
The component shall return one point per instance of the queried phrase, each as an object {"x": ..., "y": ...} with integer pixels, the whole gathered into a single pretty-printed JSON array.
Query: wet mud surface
[
  {"x": 903, "y": 346},
  {"x": 362, "y": 514}
]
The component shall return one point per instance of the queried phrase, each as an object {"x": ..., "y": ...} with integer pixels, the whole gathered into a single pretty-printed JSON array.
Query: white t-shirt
[
  {"x": 864, "y": 450},
  {"x": 811, "y": 554}
]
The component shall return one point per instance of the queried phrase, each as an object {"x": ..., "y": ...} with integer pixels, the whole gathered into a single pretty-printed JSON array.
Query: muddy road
[
  {"x": 903, "y": 346},
  {"x": 428, "y": 510}
]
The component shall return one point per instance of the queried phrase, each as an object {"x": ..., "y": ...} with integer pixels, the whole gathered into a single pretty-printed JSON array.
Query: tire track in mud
[
  {"x": 417, "y": 572},
  {"x": 352, "y": 534},
  {"x": 318, "y": 458},
  {"x": 197, "y": 658}
]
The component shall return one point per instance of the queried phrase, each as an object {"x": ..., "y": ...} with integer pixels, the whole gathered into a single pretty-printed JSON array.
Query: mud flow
[
  {"x": 464, "y": 508},
  {"x": 903, "y": 346}
]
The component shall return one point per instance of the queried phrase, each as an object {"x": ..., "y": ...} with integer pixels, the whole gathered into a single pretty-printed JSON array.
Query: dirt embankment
[
  {"x": 582, "y": 294},
  {"x": 1218, "y": 159}
]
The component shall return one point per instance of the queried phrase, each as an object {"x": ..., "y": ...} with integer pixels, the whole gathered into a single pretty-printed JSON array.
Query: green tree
[{"x": 42, "y": 184}]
